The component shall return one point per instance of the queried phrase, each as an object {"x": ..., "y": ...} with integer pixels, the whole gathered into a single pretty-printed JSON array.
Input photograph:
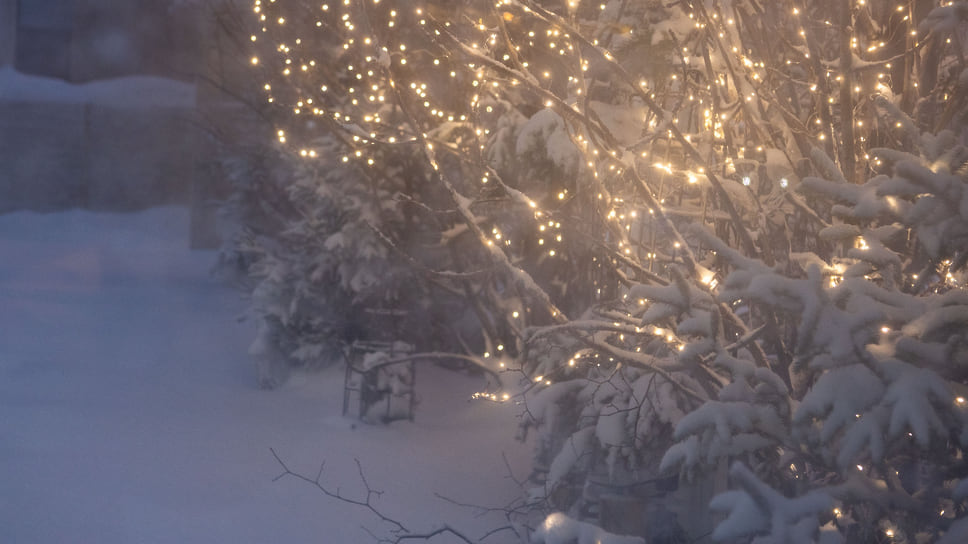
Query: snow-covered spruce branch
[
  {"x": 633, "y": 359},
  {"x": 757, "y": 510}
]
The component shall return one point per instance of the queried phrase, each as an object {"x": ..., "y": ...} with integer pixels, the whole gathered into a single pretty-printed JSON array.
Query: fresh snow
[
  {"x": 122, "y": 92},
  {"x": 131, "y": 411},
  {"x": 561, "y": 529}
]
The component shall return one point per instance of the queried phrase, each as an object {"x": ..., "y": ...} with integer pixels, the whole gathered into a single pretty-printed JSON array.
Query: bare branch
[{"x": 337, "y": 494}]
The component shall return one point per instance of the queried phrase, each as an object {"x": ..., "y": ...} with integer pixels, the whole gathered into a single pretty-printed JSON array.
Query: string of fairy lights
[{"x": 400, "y": 73}]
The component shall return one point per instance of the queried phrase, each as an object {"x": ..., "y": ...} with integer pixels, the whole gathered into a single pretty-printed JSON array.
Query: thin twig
[{"x": 337, "y": 494}]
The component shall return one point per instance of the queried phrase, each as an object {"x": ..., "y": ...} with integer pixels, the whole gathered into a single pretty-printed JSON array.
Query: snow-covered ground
[
  {"x": 121, "y": 92},
  {"x": 130, "y": 411}
]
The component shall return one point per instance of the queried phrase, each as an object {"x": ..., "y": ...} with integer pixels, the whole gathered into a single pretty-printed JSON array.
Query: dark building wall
[
  {"x": 87, "y": 134},
  {"x": 43, "y": 37},
  {"x": 95, "y": 155},
  {"x": 114, "y": 38},
  {"x": 85, "y": 40},
  {"x": 92, "y": 131},
  {"x": 8, "y": 31}
]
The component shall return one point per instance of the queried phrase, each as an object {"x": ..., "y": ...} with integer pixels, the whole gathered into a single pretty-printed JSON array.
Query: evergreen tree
[{"x": 690, "y": 235}]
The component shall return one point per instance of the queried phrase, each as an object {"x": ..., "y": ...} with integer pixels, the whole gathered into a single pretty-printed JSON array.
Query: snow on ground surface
[
  {"x": 121, "y": 92},
  {"x": 131, "y": 413}
]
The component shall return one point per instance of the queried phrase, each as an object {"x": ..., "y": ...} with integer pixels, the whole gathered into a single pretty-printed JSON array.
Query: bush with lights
[{"x": 690, "y": 235}]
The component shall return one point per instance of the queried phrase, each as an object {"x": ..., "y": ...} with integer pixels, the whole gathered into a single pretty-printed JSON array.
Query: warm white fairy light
[{"x": 376, "y": 72}]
